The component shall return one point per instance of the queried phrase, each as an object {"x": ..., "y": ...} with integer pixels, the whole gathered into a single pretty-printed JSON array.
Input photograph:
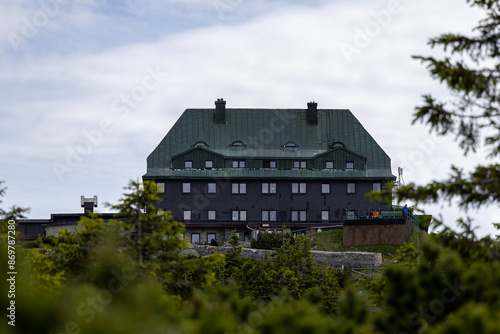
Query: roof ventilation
[
  {"x": 312, "y": 113},
  {"x": 220, "y": 112}
]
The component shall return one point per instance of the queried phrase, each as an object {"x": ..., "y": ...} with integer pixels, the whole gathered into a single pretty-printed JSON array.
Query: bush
[{"x": 271, "y": 240}]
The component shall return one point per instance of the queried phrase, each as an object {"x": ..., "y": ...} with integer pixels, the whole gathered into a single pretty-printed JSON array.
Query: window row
[
  {"x": 268, "y": 188},
  {"x": 188, "y": 164},
  {"x": 266, "y": 215}
]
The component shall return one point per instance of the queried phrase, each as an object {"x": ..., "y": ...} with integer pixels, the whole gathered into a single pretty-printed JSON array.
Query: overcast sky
[{"x": 89, "y": 88}]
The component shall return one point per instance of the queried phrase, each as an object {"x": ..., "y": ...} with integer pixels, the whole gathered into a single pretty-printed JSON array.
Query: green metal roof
[{"x": 265, "y": 132}]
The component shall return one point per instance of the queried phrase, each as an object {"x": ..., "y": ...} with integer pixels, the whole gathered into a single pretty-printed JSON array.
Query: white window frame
[
  {"x": 239, "y": 164},
  {"x": 299, "y": 215},
  {"x": 160, "y": 188},
  {"x": 299, "y": 188},
  {"x": 187, "y": 215},
  {"x": 209, "y": 235},
  {"x": 188, "y": 164},
  {"x": 269, "y": 188},
  {"x": 300, "y": 164},
  {"x": 269, "y": 215},
  {"x": 265, "y": 215},
  {"x": 196, "y": 236},
  {"x": 377, "y": 187},
  {"x": 327, "y": 163},
  {"x": 239, "y": 215},
  {"x": 212, "y": 215},
  {"x": 186, "y": 188},
  {"x": 302, "y": 215},
  {"x": 209, "y": 164},
  {"x": 349, "y": 165},
  {"x": 325, "y": 215},
  {"x": 351, "y": 188},
  {"x": 323, "y": 186},
  {"x": 239, "y": 189},
  {"x": 212, "y": 188}
]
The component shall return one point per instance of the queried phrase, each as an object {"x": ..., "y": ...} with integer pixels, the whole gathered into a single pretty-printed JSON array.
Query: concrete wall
[
  {"x": 337, "y": 259},
  {"x": 376, "y": 231}
]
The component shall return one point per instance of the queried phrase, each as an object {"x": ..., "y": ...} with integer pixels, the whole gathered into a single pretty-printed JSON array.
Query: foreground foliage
[{"x": 451, "y": 286}]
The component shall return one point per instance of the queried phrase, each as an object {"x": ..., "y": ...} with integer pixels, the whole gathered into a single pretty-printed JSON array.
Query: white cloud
[{"x": 280, "y": 56}]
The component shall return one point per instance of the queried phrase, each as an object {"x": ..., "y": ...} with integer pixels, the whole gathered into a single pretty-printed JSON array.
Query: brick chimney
[
  {"x": 220, "y": 112},
  {"x": 88, "y": 204},
  {"x": 312, "y": 113}
]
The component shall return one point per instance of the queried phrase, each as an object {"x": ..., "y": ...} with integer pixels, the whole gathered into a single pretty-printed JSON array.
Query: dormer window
[
  {"x": 269, "y": 164},
  {"x": 188, "y": 164},
  {"x": 300, "y": 164},
  {"x": 337, "y": 144},
  {"x": 349, "y": 165},
  {"x": 238, "y": 143},
  {"x": 238, "y": 164},
  {"x": 291, "y": 144},
  {"x": 200, "y": 144}
]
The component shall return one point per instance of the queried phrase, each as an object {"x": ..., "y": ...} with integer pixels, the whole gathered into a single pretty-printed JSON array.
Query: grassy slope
[{"x": 331, "y": 241}]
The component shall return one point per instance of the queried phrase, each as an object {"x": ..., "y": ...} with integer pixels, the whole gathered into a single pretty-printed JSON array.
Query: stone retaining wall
[{"x": 337, "y": 259}]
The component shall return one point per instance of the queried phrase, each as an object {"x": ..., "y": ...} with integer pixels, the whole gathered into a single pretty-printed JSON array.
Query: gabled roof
[{"x": 265, "y": 133}]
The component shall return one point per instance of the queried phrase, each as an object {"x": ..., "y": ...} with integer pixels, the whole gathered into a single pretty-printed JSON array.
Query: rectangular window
[
  {"x": 269, "y": 215},
  {"x": 377, "y": 187},
  {"x": 302, "y": 216},
  {"x": 188, "y": 164},
  {"x": 273, "y": 215},
  {"x": 299, "y": 188},
  {"x": 209, "y": 164},
  {"x": 239, "y": 215},
  {"x": 187, "y": 214},
  {"x": 329, "y": 165},
  {"x": 265, "y": 215},
  {"x": 325, "y": 215},
  {"x": 186, "y": 188},
  {"x": 195, "y": 238},
  {"x": 210, "y": 237},
  {"x": 239, "y": 188},
  {"x": 325, "y": 188},
  {"x": 269, "y": 164},
  {"x": 299, "y": 164},
  {"x": 349, "y": 165},
  {"x": 212, "y": 188},
  {"x": 269, "y": 188},
  {"x": 160, "y": 188},
  {"x": 211, "y": 214},
  {"x": 299, "y": 215},
  {"x": 238, "y": 164},
  {"x": 351, "y": 188}
]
